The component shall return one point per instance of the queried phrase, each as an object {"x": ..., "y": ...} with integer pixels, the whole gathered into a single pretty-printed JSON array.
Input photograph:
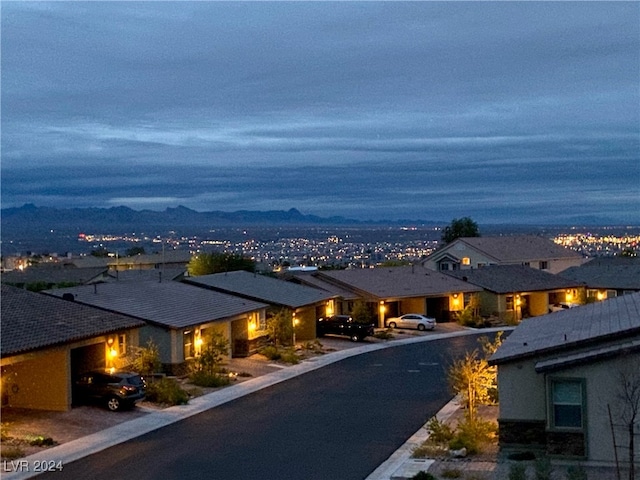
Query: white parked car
[{"x": 412, "y": 320}]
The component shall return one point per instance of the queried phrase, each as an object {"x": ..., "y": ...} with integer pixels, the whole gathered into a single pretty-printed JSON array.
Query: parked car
[
  {"x": 558, "y": 307},
  {"x": 344, "y": 325},
  {"x": 412, "y": 320},
  {"x": 117, "y": 390}
]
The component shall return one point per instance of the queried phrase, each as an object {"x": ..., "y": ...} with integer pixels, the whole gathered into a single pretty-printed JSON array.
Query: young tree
[
  {"x": 146, "y": 360},
  {"x": 361, "y": 312},
  {"x": 280, "y": 327},
  {"x": 473, "y": 378},
  {"x": 460, "y": 227},
  {"x": 208, "y": 263},
  {"x": 213, "y": 352}
]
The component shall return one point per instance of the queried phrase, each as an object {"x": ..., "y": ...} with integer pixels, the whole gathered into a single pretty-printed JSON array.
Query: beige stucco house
[
  {"x": 515, "y": 292},
  {"x": 528, "y": 250},
  {"x": 47, "y": 341},
  {"x": 178, "y": 317},
  {"x": 394, "y": 291},
  {"x": 305, "y": 303},
  {"x": 561, "y": 379}
]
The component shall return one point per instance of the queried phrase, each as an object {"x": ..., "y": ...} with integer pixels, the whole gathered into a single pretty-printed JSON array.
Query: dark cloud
[{"x": 505, "y": 111}]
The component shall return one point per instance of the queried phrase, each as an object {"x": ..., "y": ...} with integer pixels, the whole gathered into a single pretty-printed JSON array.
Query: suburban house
[
  {"x": 167, "y": 259},
  {"x": 46, "y": 342},
  {"x": 305, "y": 303},
  {"x": 607, "y": 277},
  {"x": 179, "y": 317},
  {"x": 562, "y": 378},
  {"x": 514, "y": 292},
  {"x": 394, "y": 291},
  {"x": 528, "y": 250},
  {"x": 51, "y": 274}
]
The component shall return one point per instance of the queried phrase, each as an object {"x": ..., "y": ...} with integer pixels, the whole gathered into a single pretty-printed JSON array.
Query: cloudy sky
[{"x": 505, "y": 112}]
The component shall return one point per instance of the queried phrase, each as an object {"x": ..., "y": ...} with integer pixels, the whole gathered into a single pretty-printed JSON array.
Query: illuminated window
[
  {"x": 122, "y": 344},
  {"x": 187, "y": 343},
  {"x": 509, "y": 302},
  {"x": 466, "y": 261}
]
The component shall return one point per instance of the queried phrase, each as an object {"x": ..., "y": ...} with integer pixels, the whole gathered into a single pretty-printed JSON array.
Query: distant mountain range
[{"x": 123, "y": 219}]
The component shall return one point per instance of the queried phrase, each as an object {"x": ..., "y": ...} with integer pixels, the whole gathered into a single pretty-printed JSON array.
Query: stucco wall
[
  {"x": 306, "y": 326},
  {"x": 603, "y": 386},
  {"x": 538, "y": 303},
  {"x": 41, "y": 381},
  {"x": 521, "y": 392},
  {"x": 523, "y": 396}
]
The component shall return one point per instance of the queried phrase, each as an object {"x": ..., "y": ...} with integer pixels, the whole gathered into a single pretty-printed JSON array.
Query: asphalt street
[{"x": 338, "y": 422}]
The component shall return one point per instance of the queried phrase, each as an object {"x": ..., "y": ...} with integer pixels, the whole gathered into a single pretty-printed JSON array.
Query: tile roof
[
  {"x": 582, "y": 326},
  {"x": 317, "y": 282},
  {"x": 262, "y": 288},
  {"x": 32, "y": 321},
  {"x": 519, "y": 248},
  {"x": 172, "y": 304},
  {"x": 607, "y": 273},
  {"x": 398, "y": 282},
  {"x": 55, "y": 273},
  {"x": 513, "y": 278},
  {"x": 137, "y": 275}
]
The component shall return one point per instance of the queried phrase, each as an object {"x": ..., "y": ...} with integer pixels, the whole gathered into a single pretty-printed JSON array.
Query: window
[
  {"x": 466, "y": 261},
  {"x": 122, "y": 344},
  {"x": 187, "y": 343},
  {"x": 444, "y": 266},
  {"x": 509, "y": 302},
  {"x": 566, "y": 403},
  {"x": 543, "y": 265}
]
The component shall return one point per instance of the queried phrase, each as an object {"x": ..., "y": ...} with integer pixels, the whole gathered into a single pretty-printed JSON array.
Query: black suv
[
  {"x": 116, "y": 389},
  {"x": 344, "y": 325}
]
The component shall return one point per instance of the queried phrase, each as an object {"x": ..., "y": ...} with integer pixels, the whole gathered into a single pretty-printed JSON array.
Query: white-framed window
[
  {"x": 122, "y": 344},
  {"x": 466, "y": 261},
  {"x": 543, "y": 265},
  {"x": 188, "y": 337},
  {"x": 566, "y": 403},
  {"x": 509, "y": 301}
]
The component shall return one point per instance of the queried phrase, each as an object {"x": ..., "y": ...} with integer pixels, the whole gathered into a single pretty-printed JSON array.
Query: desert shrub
[
  {"x": 473, "y": 434},
  {"x": 422, "y": 475},
  {"x": 517, "y": 471},
  {"x": 271, "y": 352},
  {"x": 429, "y": 450},
  {"x": 4, "y": 431},
  {"x": 289, "y": 356},
  {"x": 12, "y": 452},
  {"x": 40, "y": 441},
  {"x": 439, "y": 432},
  {"x": 383, "y": 335},
  {"x": 205, "y": 379},
  {"x": 167, "y": 391}
]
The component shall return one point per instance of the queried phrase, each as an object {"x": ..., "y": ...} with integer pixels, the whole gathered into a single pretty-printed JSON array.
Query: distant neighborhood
[{"x": 88, "y": 313}]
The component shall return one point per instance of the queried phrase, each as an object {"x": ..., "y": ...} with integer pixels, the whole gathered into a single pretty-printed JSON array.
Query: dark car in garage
[{"x": 116, "y": 390}]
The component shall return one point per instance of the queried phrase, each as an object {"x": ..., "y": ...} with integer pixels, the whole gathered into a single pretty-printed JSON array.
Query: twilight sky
[{"x": 514, "y": 112}]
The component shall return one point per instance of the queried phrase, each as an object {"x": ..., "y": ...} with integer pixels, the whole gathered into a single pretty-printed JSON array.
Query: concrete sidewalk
[{"x": 94, "y": 443}]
